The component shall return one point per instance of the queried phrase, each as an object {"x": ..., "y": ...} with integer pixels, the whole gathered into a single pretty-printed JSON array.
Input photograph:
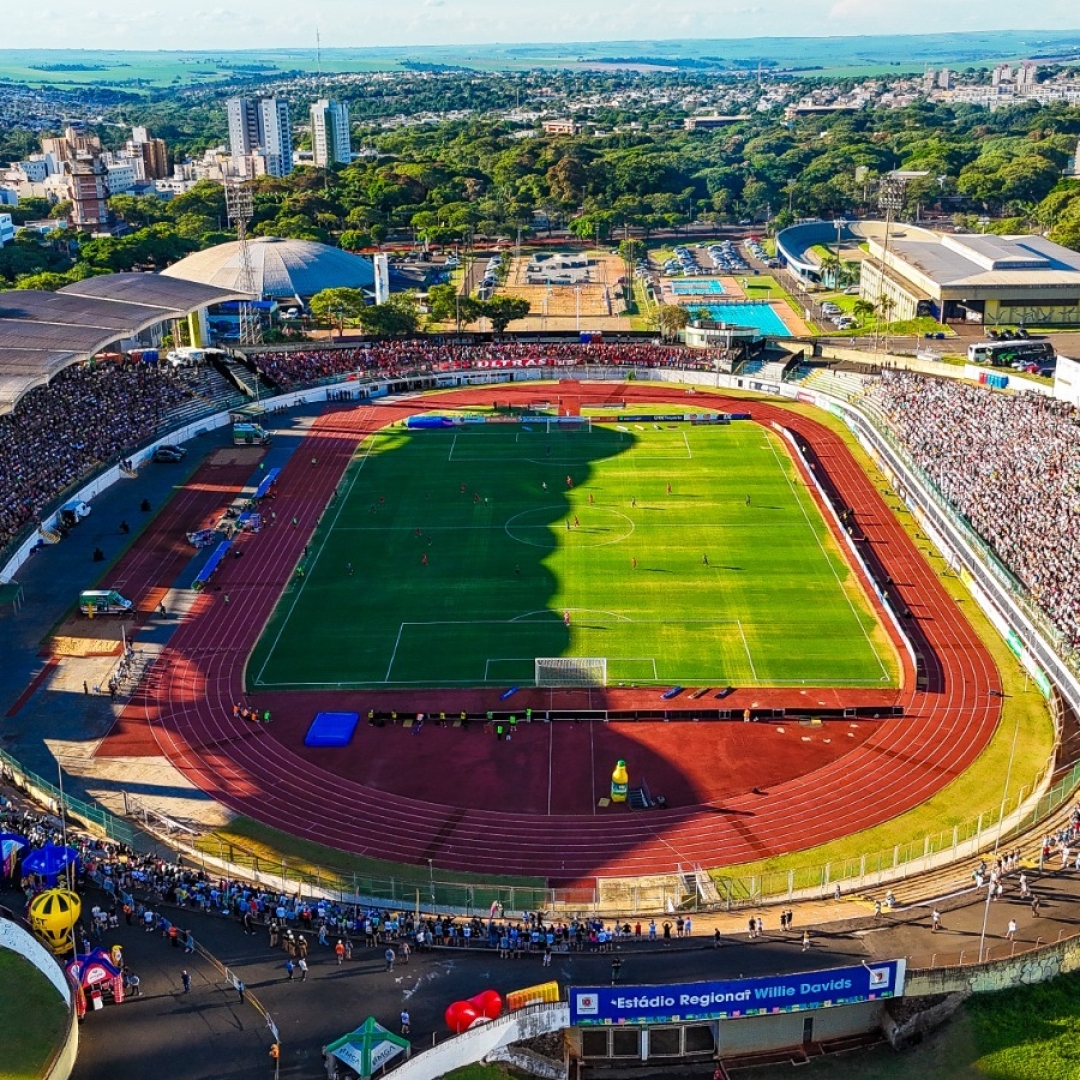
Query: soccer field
[{"x": 677, "y": 553}]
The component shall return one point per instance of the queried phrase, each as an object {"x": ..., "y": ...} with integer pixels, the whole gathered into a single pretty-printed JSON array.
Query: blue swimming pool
[
  {"x": 697, "y": 287},
  {"x": 762, "y": 317}
]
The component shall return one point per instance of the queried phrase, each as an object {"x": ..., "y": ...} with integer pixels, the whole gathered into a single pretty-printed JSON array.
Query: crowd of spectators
[
  {"x": 88, "y": 415},
  {"x": 398, "y": 358},
  {"x": 1010, "y": 463},
  {"x": 145, "y": 890}
]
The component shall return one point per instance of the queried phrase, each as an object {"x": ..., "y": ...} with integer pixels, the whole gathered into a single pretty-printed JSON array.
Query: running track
[{"x": 188, "y": 699}]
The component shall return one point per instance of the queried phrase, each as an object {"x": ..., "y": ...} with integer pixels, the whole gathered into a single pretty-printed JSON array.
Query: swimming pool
[
  {"x": 698, "y": 287},
  {"x": 763, "y": 317}
]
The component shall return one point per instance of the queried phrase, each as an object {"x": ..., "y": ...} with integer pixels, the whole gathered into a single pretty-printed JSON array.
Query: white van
[
  {"x": 103, "y": 602},
  {"x": 185, "y": 357}
]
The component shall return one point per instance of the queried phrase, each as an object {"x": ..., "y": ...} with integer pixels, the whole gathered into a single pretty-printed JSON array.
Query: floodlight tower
[
  {"x": 891, "y": 189},
  {"x": 240, "y": 205}
]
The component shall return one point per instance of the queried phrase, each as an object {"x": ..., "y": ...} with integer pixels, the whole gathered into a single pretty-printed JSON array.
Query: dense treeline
[{"x": 445, "y": 182}]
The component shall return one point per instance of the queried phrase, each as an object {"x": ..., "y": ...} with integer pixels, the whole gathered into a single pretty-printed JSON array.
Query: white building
[
  {"x": 330, "y": 142},
  {"x": 260, "y": 129}
]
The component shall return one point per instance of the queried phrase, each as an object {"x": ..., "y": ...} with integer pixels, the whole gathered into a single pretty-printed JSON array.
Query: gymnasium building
[{"x": 981, "y": 279}]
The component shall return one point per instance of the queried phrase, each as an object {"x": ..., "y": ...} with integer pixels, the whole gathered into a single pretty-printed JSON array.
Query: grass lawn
[
  {"x": 683, "y": 554},
  {"x": 479, "y": 1072},
  {"x": 251, "y": 844},
  {"x": 32, "y": 1018},
  {"x": 1027, "y": 1033}
]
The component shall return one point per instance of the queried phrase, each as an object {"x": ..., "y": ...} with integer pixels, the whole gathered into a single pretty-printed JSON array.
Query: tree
[
  {"x": 503, "y": 310},
  {"x": 337, "y": 307},
  {"x": 398, "y": 317},
  {"x": 862, "y": 309},
  {"x": 672, "y": 318}
]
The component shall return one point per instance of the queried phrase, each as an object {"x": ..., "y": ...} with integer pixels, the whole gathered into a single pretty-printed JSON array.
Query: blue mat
[{"x": 332, "y": 729}]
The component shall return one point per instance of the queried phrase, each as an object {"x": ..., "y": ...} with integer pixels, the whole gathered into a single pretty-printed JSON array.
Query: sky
[{"x": 255, "y": 24}]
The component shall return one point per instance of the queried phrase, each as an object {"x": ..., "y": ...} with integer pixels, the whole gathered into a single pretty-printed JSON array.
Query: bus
[{"x": 1006, "y": 353}]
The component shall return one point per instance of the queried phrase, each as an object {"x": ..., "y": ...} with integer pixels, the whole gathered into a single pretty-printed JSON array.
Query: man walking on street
[
  {"x": 302, "y": 965},
  {"x": 390, "y": 957},
  {"x": 185, "y": 978}
]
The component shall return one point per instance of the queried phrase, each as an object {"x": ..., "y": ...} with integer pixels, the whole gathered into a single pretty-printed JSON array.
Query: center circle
[{"x": 553, "y": 527}]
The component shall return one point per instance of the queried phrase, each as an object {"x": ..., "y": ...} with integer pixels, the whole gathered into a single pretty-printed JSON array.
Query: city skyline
[{"x": 113, "y": 25}]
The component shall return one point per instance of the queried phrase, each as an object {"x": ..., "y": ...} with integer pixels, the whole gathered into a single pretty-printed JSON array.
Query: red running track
[{"x": 188, "y": 703}]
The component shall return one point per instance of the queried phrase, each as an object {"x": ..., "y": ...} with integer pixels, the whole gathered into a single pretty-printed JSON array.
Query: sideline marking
[{"x": 746, "y": 646}]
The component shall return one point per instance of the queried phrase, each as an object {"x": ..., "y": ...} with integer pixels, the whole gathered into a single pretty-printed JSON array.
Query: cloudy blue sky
[{"x": 154, "y": 24}]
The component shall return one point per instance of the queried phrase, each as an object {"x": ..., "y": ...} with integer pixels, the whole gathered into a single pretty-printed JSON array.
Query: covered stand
[
  {"x": 11, "y": 847},
  {"x": 369, "y": 1048},
  {"x": 51, "y": 862}
]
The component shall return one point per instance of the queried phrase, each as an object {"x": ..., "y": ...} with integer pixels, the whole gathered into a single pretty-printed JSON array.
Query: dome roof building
[{"x": 282, "y": 268}]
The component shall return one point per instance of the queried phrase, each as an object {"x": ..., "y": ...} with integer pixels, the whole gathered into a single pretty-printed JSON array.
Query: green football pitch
[{"x": 678, "y": 554}]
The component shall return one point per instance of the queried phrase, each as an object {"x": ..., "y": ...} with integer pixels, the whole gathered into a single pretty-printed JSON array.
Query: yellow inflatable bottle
[{"x": 620, "y": 782}]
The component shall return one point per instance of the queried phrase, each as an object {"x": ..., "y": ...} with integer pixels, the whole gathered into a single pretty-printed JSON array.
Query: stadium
[{"x": 516, "y": 559}]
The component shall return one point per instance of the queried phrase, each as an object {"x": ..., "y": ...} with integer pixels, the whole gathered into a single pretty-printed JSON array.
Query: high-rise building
[
  {"x": 276, "y": 135},
  {"x": 944, "y": 79},
  {"x": 330, "y": 142},
  {"x": 260, "y": 128},
  {"x": 88, "y": 190}
]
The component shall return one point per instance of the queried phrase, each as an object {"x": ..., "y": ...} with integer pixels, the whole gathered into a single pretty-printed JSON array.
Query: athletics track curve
[{"x": 188, "y": 701}]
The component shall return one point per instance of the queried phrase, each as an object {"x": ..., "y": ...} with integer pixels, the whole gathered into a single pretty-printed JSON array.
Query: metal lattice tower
[
  {"x": 891, "y": 190},
  {"x": 240, "y": 205}
]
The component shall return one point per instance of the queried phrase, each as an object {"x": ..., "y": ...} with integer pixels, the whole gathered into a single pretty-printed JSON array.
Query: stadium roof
[
  {"x": 282, "y": 269},
  {"x": 41, "y": 333},
  {"x": 965, "y": 261}
]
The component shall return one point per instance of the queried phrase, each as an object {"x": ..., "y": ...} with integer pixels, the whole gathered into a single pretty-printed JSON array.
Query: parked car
[{"x": 170, "y": 453}]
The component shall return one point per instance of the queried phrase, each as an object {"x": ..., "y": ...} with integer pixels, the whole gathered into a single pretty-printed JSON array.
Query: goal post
[
  {"x": 569, "y": 424},
  {"x": 555, "y": 671}
]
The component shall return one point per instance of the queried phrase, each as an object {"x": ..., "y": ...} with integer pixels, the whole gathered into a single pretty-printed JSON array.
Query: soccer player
[
  {"x": 590, "y": 498},
  {"x": 543, "y": 484},
  {"x": 566, "y": 618},
  {"x": 669, "y": 489},
  {"x": 423, "y": 559},
  {"x": 747, "y": 500},
  {"x": 577, "y": 524},
  {"x": 348, "y": 567},
  {"x": 569, "y": 481},
  {"x": 705, "y": 560},
  {"x": 633, "y": 563}
]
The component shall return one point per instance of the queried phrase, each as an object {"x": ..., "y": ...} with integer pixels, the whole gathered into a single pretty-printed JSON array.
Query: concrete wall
[
  {"x": 474, "y": 1045},
  {"x": 1034, "y": 966}
]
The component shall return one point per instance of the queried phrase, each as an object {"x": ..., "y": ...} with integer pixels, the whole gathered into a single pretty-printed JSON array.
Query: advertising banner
[{"x": 648, "y": 1004}]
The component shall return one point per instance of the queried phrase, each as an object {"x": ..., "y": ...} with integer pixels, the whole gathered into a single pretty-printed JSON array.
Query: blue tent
[{"x": 51, "y": 861}]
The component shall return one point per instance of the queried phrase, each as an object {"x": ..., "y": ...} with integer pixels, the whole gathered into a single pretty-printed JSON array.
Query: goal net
[
  {"x": 569, "y": 424},
  {"x": 571, "y": 671}
]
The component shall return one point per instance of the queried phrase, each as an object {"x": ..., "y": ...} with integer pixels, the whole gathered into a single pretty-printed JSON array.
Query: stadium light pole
[
  {"x": 838, "y": 224},
  {"x": 1008, "y": 770}
]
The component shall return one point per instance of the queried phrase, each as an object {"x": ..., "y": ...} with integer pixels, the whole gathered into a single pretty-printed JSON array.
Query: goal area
[{"x": 555, "y": 671}]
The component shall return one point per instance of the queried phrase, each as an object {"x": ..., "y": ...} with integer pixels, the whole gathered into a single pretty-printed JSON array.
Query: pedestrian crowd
[{"x": 1010, "y": 464}]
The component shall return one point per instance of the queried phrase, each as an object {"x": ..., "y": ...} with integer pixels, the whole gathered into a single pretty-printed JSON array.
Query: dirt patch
[{"x": 235, "y": 455}]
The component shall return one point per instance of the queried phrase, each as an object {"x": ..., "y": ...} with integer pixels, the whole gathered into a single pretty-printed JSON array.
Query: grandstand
[{"x": 41, "y": 333}]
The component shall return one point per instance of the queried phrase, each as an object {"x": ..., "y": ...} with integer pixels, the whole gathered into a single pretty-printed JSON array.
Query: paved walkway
[{"x": 165, "y": 1026}]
